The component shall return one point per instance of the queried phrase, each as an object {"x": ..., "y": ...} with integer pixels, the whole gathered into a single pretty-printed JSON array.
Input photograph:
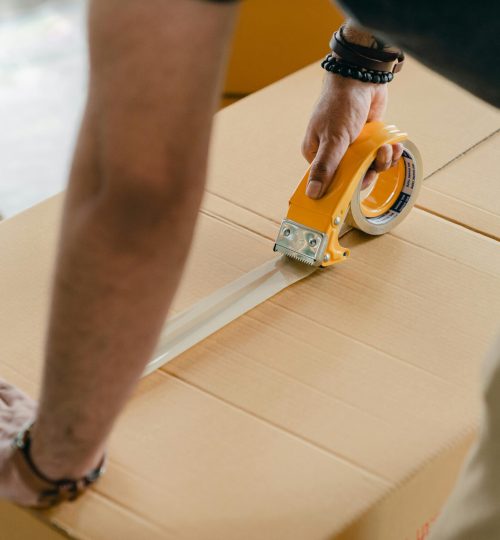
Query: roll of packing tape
[{"x": 390, "y": 198}]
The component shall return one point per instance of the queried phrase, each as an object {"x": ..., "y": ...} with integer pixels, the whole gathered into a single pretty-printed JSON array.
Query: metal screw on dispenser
[
  {"x": 326, "y": 258},
  {"x": 336, "y": 221},
  {"x": 286, "y": 232},
  {"x": 312, "y": 242}
]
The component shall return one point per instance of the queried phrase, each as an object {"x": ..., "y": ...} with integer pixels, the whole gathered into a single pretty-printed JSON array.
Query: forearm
[
  {"x": 135, "y": 188},
  {"x": 114, "y": 281}
]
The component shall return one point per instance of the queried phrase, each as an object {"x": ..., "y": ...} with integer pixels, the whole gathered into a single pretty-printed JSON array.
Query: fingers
[
  {"x": 310, "y": 147},
  {"x": 387, "y": 157},
  {"x": 5, "y": 394},
  {"x": 16, "y": 411},
  {"x": 10, "y": 396},
  {"x": 397, "y": 152},
  {"x": 369, "y": 178},
  {"x": 325, "y": 164},
  {"x": 383, "y": 159},
  {"x": 14, "y": 418}
]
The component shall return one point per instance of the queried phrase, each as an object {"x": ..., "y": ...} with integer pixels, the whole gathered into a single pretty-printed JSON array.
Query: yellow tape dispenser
[{"x": 311, "y": 230}]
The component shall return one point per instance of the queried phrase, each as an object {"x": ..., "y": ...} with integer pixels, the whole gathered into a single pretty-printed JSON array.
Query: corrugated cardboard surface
[
  {"x": 346, "y": 402},
  {"x": 468, "y": 190}
]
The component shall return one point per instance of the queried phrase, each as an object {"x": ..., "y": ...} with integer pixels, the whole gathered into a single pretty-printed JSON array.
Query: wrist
[
  {"x": 69, "y": 460},
  {"x": 40, "y": 489},
  {"x": 372, "y": 62},
  {"x": 364, "y": 38},
  {"x": 332, "y": 82}
]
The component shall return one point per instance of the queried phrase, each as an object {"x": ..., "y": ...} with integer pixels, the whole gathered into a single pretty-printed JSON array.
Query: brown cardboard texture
[
  {"x": 340, "y": 408},
  {"x": 468, "y": 190}
]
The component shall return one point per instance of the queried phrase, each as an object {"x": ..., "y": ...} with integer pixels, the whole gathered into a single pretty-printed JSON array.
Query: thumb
[{"x": 325, "y": 164}]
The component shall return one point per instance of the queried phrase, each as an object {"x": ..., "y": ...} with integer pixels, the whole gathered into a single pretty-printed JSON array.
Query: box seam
[{"x": 318, "y": 448}]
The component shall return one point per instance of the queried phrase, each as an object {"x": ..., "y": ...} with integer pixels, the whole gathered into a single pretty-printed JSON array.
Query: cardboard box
[{"x": 341, "y": 408}]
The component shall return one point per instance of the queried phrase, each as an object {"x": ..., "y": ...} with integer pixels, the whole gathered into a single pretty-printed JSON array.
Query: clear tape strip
[{"x": 215, "y": 311}]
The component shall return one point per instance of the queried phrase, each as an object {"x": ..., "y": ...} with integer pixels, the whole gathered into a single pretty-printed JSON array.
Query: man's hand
[
  {"x": 16, "y": 410},
  {"x": 345, "y": 105}
]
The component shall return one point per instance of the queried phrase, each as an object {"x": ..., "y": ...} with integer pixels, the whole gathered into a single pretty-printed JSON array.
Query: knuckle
[
  {"x": 398, "y": 152},
  {"x": 307, "y": 150},
  {"x": 319, "y": 169},
  {"x": 309, "y": 146},
  {"x": 383, "y": 158},
  {"x": 337, "y": 138},
  {"x": 384, "y": 152}
]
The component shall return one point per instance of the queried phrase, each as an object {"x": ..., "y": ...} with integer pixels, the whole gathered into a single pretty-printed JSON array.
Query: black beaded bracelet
[{"x": 341, "y": 67}]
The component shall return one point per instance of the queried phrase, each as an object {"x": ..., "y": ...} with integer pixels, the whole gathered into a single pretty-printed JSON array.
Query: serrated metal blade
[
  {"x": 300, "y": 242},
  {"x": 296, "y": 256}
]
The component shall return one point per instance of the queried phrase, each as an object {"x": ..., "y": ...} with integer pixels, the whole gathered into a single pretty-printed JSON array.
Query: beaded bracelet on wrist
[{"x": 341, "y": 67}]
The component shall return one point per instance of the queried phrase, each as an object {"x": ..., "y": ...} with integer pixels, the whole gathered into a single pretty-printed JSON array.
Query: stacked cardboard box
[
  {"x": 341, "y": 408},
  {"x": 273, "y": 39}
]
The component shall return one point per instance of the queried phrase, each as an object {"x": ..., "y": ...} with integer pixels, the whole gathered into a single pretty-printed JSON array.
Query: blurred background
[{"x": 43, "y": 73}]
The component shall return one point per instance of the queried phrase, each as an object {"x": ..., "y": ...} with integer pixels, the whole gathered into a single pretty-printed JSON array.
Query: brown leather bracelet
[
  {"x": 378, "y": 54},
  {"x": 365, "y": 57},
  {"x": 51, "y": 492}
]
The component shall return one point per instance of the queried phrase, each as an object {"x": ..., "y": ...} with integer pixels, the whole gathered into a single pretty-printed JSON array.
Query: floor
[{"x": 42, "y": 90}]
